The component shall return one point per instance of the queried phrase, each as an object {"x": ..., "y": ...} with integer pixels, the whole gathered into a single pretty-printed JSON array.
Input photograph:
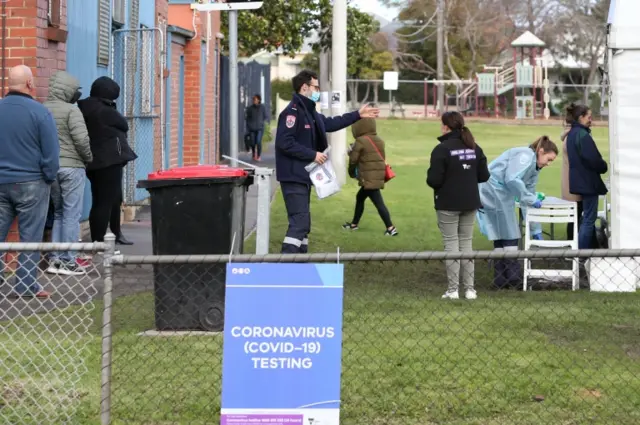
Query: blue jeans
[
  {"x": 256, "y": 147},
  {"x": 587, "y": 229},
  {"x": 29, "y": 202},
  {"x": 67, "y": 193}
]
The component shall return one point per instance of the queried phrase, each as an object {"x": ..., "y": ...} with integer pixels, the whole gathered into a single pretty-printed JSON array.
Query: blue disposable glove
[
  {"x": 537, "y": 204},
  {"x": 538, "y": 237}
]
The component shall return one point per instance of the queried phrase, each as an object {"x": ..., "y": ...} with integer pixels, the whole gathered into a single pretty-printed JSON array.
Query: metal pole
[
  {"x": 440, "y": 55},
  {"x": 107, "y": 331},
  {"x": 339, "y": 83},
  {"x": 325, "y": 77},
  {"x": 263, "y": 176},
  {"x": 233, "y": 85}
]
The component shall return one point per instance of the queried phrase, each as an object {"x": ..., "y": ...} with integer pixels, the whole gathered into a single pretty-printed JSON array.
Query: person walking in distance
[
  {"x": 67, "y": 192},
  {"x": 458, "y": 165},
  {"x": 367, "y": 165},
  {"x": 301, "y": 138},
  {"x": 29, "y": 162},
  {"x": 255, "y": 117},
  {"x": 111, "y": 152}
]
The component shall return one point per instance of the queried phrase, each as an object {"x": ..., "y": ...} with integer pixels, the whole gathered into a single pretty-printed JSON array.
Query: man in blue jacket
[
  {"x": 301, "y": 138},
  {"x": 29, "y": 162}
]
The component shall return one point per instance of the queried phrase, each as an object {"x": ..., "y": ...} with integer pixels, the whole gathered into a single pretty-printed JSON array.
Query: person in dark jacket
[
  {"x": 586, "y": 167},
  {"x": 301, "y": 138},
  {"x": 367, "y": 164},
  {"x": 111, "y": 152},
  {"x": 457, "y": 166},
  {"x": 255, "y": 116}
]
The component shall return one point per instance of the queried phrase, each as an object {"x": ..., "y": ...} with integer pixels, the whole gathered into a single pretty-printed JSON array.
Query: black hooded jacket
[{"x": 107, "y": 127}]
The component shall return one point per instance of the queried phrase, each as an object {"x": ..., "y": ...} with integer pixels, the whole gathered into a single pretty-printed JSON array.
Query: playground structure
[{"x": 526, "y": 80}]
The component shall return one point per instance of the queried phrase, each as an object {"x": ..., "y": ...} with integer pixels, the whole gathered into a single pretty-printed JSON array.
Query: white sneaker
[
  {"x": 471, "y": 294},
  {"x": 451, "y": 295}
]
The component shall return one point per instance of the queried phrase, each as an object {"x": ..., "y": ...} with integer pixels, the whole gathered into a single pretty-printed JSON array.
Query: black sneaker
[
  {"x": 391, "y": 232},
  {"x": 349, "y": 226}
]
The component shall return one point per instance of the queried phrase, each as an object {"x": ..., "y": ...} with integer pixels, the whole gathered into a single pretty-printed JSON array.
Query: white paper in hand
[{"x": 324, "y": 178}]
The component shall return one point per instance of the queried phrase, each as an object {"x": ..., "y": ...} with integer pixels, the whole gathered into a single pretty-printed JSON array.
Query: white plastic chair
[{"x": 552, "y": 214}]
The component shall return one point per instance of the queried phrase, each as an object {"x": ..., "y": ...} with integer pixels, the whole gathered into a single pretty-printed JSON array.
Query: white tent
[{"x": 624, "y": 113}]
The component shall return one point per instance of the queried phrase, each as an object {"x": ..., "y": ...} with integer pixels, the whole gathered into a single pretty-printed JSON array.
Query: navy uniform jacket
[{"x": 301, "y": 133}]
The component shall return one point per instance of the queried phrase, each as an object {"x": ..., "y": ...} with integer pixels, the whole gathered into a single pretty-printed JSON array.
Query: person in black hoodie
[
  {"x": 111, "y": 152},
  {"x": 458, "y": 164}
]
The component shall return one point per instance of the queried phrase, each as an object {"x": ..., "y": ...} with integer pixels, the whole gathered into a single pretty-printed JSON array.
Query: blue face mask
[{"x": 315, "y": 96}]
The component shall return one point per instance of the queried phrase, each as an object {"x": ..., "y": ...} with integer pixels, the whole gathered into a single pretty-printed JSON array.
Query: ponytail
[
  {"x": 545, "y": 144},
  {"x": 455, "y": 121},
  {"x": 467, "y": 138},
  {"x": 574, "y": 112}
]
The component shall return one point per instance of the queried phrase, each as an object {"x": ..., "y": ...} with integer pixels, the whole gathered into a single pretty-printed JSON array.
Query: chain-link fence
[
  {"x": 417, "y": 99},
  {"x": 564, "y": 352},
  {"x": 137, "y": 67},
  {"x": 48, "y": 342}
]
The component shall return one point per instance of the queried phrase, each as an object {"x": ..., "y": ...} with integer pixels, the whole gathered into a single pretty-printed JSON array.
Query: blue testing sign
[{"x": 282, "y": 344}]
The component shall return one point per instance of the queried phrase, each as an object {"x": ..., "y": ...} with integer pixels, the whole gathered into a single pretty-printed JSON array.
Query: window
[
  {"x": 104, "y": 31},
  {"x": 54, "y": 14},
  {"x": 118, "y": 11}
]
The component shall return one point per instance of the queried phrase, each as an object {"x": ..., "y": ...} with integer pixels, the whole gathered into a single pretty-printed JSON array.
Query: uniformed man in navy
[{"x": 301, "y": 138}]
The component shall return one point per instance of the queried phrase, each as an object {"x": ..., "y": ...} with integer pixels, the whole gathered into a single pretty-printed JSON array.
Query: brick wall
[
  {"x": 211, "y": 121},
  {"x": 162, "y": 14},
  {"x": 177, "y": 51},
  {"x": 27, "y": 43},
  {"x": 194, "y": 107}
]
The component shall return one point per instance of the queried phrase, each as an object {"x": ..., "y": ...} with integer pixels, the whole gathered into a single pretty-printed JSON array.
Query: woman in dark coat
[
  {"x": 255, "y": 117},
  {"x": 111, "y": 152}
]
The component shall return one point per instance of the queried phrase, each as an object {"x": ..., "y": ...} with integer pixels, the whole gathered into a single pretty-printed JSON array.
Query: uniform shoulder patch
[{"x": 290, "y": 121}]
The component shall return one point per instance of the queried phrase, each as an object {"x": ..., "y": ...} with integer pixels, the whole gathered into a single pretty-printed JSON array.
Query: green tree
[
  {"x": 277, "y": 24},
  {"x": 360, "y": 30},
  {"x": 311, "y": 61}
]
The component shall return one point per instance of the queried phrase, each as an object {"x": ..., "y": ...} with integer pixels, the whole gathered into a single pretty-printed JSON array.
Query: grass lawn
[{"x": 544, "y": 357}]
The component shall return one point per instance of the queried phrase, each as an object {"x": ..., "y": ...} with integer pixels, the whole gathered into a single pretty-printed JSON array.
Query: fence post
[
  {"x": 263, "y": 176},
  {"x": 105, "y": 400}
]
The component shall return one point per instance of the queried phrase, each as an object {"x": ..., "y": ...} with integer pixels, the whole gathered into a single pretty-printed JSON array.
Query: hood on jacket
[
  {"x": 63, "y": 86},
  {"x": 364, "y": 127},
  {"x": 105, "y": 88}
]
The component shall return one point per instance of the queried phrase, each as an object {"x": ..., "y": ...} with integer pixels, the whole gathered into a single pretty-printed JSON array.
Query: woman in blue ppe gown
[{"x": 514, "y": 174}]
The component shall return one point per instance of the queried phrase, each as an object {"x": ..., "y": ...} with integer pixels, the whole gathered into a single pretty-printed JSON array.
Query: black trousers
[
  {"x": 376, "y": 197},
  {"x": 297, "y": 197},
  {"x": 106, "y": 191},
  {"x": 506, "y": 273},
  {"x": 570, "y": 228}
]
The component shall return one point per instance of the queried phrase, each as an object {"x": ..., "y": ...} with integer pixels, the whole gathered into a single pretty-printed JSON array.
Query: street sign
[
  {"x": 282, "y": 344},
  {"x": 390, "y": 81},
  {"x": 209, "y": 5}
]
